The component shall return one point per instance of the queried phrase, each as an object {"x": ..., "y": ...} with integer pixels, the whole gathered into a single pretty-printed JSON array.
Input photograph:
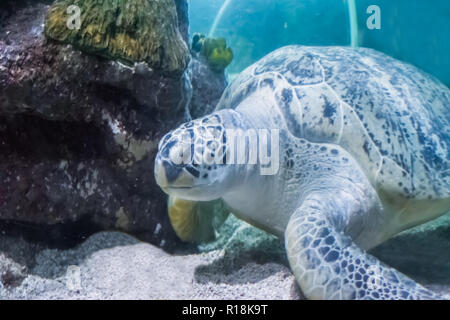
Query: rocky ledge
[{"x": 80, "y": 121}]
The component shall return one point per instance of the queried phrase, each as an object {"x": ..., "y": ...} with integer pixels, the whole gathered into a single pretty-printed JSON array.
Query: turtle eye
[{"x": 165, "y": 151}]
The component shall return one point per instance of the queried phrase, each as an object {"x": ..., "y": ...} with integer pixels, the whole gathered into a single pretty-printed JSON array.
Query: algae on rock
[{"x": 126, "y": 30}]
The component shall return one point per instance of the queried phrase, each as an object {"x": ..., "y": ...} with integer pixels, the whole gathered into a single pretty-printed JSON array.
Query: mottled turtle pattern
[
  {"x": 392, "y": 117},
  {"x": 364, "y": 154}
]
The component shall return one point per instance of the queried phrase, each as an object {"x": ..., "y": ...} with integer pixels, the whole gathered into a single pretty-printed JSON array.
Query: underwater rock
[
  {"x": 11, "y": 273},
  {"x": 207, "y": 87},
  {"x": 183, "y": 18},
  {"x": 79, "y": 134},
  {"x": 128, "y": 30}
]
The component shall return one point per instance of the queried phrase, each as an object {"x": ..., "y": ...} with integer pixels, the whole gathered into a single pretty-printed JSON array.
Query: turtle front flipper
[
  {"x": 196, "y": 221},
  {"x": 328, "y": 264}
]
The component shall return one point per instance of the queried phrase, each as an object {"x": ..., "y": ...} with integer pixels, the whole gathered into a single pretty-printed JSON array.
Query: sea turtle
[{"x": 364, "y": 148}]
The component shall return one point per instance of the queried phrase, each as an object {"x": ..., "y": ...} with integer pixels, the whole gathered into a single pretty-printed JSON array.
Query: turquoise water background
[{"x": 415, "y": 31}]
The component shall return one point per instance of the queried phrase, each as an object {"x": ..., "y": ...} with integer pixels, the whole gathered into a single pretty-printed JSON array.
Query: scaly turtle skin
[{"x": 364, "y": 149}]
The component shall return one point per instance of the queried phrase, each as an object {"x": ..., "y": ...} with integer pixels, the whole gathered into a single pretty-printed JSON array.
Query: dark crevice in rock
[
  {"x": 31, "y": 138},
  {"x": 57, "y": 236}
]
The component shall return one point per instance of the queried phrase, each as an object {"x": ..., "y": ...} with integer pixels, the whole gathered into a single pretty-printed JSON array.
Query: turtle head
[{"x": 191, "y": 162}]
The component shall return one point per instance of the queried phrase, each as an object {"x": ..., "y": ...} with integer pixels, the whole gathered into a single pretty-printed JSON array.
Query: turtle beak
[{"x": 169, "y": 176}]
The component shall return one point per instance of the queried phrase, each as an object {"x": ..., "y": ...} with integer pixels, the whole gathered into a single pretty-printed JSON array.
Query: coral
[
  {"x": 126, "y": 30},
  {"x": 215, "y": 51}
]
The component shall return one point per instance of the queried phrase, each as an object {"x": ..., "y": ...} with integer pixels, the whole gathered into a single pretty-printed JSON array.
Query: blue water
[{"x": 415, "y": 31}]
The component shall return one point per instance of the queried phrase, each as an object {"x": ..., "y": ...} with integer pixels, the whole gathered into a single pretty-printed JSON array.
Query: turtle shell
[{"x": 393, "y": 118}]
